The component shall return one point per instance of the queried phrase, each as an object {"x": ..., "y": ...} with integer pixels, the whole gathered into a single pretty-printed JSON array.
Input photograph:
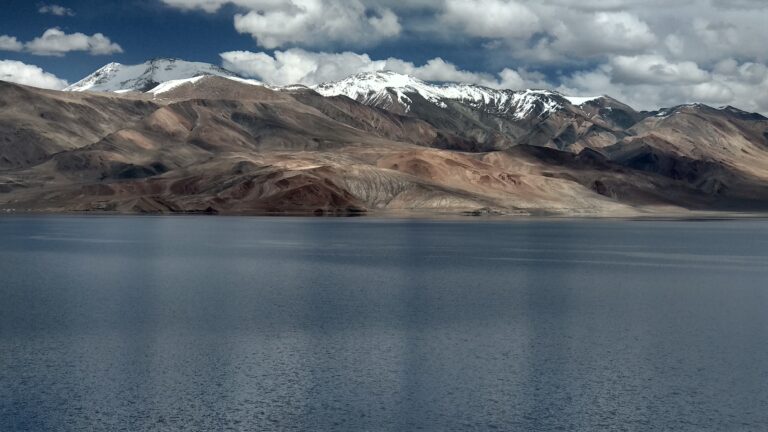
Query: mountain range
[{"x": 176, "y": 136}]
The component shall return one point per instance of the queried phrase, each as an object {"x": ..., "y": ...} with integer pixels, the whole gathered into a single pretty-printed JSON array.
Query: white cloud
[
  {"x": 298, "y": 66},
  {"x": 21, "y": 73},
  {"x": 608, "y": 5},
  {"x": 491, "y": 18},
  {"x": 316, "y": 23},
  {"x": 637, "y": 50},
  {"x": 643, "y": 81},
  {"x": 568, "y": 32},
  {"x": 55, "y": 42},
  {"x": 56, "y": 10},
  {"x": 9, "y": 43},
  {"x": 538, "y": 32},
  {"x": 654, "y": 69},
  {"x": 601, "y": 32},
  {"x": 386, "y": 24},
  {"x": 648, "y": 82}
]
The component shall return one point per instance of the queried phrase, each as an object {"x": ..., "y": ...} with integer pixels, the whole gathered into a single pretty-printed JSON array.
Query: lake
[{"x": 219, "y": 323}]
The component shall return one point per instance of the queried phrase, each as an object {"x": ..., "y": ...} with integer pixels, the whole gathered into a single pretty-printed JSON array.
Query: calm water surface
[{"x": 260, "y": 324}]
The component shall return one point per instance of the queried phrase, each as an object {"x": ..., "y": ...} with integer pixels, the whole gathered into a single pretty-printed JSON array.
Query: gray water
[{"x": 260, "y": 324}]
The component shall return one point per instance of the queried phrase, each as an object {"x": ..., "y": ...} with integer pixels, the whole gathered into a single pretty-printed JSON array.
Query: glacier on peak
[
  {"x": 386, "y": 88},
  {"x": 145, "y": 76},
  {"x": 383, "y": 89}
]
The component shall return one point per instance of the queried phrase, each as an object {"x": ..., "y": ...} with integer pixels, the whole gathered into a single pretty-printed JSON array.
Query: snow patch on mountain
[
  {"x": 247, "y": 81},
  {"x": 581, "y": 100},
  {"x": 145, "y": 76},
  {"x": 172, "y": 84},
  {"x": 384, "y": 88},
  {"x": 668, "y": 112},
  {"x": 373, "y": 88}
]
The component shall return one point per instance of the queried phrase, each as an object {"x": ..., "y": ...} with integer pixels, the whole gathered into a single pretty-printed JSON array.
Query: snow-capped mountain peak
[
  {"x": 387, "y": 90},
  {"x": 383, "y": 89},
  {"x": 116, "y": 77}
]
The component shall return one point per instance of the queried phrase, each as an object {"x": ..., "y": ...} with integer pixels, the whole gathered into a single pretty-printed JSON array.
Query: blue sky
[
  {"x": 649, "y": 53},
  {"x": 143, "y": 28},
  {"x": 150, "y": 28}
]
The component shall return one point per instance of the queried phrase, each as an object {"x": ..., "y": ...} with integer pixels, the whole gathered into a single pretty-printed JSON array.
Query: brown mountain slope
[
  {"x": 722, "y": 152},
  {"x": 35, "y": 123},
  {"x": 221, "y": 146}
]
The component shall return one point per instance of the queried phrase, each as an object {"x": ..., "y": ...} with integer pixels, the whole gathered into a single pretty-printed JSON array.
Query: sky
[{"x": 648, "y": 53}]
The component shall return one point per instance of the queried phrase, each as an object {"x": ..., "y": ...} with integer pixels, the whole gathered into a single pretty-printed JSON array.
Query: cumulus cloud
[
  {"x": 298, "y": 66},
  {"x": 8, "y": 43},
  {"x": 21, "y": 73},
  {"x": 539, "y": 32},
  {"x": 275, "y": 24},
  {"x": 735, "y": 32},
  {"x": 654, "y": 69},
  {"x": 648, "y": 82},
  {"x": 54, "y": 42},
  {"x": 57, "y": 10},
  {"x": 547, "y": 32},
  {"x": 491, "y": 18},
  {"x": 643, "y": 81},
  {"x": 316, "y": 22},
  {"x": 636, "y": 50},
  {"x": 597, "y": 33}
]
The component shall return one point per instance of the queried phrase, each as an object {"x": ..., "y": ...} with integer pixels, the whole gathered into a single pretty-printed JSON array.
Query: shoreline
[{"x": 458, "y": 215}]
